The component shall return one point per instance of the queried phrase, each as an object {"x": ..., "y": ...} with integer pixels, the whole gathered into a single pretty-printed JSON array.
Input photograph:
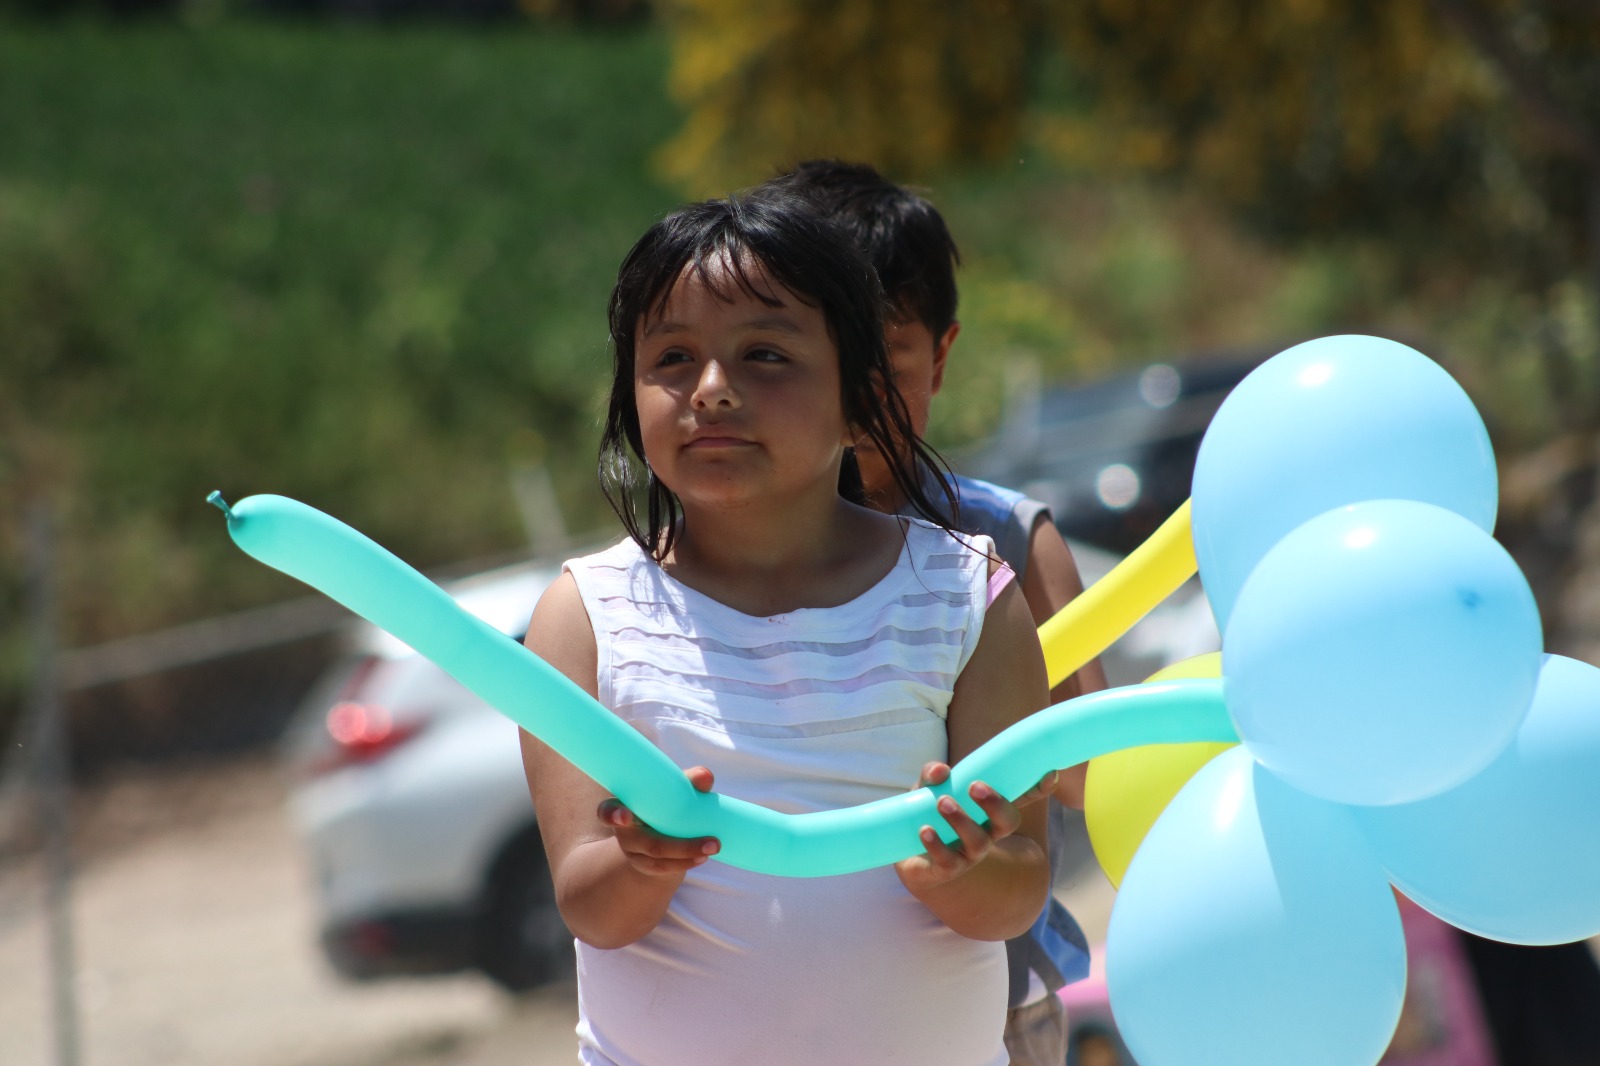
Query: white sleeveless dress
[{"x": 812, "y": 710}]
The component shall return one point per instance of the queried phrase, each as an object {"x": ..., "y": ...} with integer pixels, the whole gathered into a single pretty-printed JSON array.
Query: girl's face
[{"x": 738, "y": 400}]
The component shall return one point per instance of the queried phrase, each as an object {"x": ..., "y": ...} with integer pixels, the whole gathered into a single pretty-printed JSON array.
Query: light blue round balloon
[
  {"x": 1254, "y": 928},
  {"x": 1381, "y": 652},
  {"x": 1330, "y": 422},
  {"x": 1514, "y": 853}
]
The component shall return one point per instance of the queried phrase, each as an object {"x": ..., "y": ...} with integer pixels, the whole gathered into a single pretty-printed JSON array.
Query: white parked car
[
  {"x": 414, "y": 812},
  {"x": 410, "y": 799}
]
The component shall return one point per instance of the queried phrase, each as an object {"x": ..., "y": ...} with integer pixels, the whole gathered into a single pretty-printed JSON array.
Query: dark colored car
[{"x": 1113, "y": 458}]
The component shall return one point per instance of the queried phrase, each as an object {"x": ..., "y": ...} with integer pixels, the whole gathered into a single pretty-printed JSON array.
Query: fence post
[{"x": 52, "y": 767}]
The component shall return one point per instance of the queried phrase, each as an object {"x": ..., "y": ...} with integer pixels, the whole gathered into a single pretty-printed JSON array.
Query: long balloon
[
  {"x": 1106, "y": 610},
  {"x": 374, "y": 583}
]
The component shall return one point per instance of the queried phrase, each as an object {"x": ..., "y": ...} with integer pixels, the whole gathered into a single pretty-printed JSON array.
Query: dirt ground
[{"x": 195, "y": 946}]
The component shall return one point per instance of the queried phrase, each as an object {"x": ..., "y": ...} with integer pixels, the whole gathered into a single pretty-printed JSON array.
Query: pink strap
[{"x": 998, "y": 582}]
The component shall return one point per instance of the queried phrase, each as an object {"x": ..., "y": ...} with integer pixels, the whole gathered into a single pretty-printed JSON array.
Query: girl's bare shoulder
[{"x": 560, "y": 633}]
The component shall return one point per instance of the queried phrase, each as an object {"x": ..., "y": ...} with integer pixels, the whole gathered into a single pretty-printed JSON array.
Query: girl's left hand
[{"x": 943, "y": 862}]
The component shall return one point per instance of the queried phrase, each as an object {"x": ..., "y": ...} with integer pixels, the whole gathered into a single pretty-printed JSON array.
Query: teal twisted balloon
[{"x": 354, "y": 570}]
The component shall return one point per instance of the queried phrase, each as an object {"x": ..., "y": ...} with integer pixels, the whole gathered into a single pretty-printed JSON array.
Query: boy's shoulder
[
  {"x": 987, "y": 503},
  {"x": 976, "y": 492},
  {"x": 1005, "y": 515}
]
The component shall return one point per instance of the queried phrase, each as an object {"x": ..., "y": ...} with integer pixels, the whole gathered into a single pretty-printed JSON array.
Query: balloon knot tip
[{"x": 216, "y": 500}]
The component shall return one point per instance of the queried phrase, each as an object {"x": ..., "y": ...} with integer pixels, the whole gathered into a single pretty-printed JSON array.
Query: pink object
[
  {"x": 1089, "y": 994},
  {"x": 1442, "y": 1022},
  {"x": 999, "y": 580}
]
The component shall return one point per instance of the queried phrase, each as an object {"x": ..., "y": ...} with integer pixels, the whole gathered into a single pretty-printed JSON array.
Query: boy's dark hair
[
  {"x": 903, "y": 235},
  {"x": 783, "y": 233}
]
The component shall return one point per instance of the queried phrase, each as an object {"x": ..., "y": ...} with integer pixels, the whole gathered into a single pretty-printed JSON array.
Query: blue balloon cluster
[{"x": 1383, "y": 666}]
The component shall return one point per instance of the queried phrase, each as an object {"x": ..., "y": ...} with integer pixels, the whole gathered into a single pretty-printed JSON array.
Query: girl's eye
[
  {"x": 671, "y": 356},
  {"x": 765, "y": 355}
]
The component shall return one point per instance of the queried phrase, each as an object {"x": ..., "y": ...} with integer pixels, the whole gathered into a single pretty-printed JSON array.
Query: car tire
[{"x": 523, "y": 941}]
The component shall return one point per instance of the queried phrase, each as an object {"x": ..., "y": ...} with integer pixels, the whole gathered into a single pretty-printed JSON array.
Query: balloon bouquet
[{"x": 1382, "y": 712}]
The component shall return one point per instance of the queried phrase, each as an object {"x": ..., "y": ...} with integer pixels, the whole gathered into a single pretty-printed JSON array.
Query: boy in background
[{"x": 915, "y": 257}]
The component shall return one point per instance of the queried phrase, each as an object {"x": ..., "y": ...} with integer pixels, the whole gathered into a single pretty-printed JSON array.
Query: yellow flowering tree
[{"x": 909, "y": 85}]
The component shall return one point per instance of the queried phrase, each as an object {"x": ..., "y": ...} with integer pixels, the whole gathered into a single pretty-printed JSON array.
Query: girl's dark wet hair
[{"x": 783, "y": 233}]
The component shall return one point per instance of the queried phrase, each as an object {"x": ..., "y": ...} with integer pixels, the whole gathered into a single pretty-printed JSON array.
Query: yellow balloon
[
  {"x": 1106, "y": 610},
  {"x": 1127, "y": 790}
]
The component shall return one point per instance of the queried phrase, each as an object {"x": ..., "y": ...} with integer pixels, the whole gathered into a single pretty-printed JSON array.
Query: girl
[{"x": 761, "y": 625}]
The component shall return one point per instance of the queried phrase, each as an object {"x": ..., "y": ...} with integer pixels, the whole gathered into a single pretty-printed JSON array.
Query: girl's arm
[
  {"x": 991, "y": 884},
  {"x": 614, "y": 876}
]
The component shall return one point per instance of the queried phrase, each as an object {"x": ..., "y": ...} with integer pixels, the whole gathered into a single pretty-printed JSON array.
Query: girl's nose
[{"x": 714, "y": 389}]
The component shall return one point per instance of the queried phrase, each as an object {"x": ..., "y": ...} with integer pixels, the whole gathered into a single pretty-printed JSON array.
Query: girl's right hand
[{"x": 652, "y": 853}]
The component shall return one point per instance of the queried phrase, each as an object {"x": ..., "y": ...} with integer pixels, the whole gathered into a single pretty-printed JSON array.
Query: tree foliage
[
  {"x": 1253, "y": 99},
  {"x": 1447, "y": 127},
  {"x": 768, "y": 82}
]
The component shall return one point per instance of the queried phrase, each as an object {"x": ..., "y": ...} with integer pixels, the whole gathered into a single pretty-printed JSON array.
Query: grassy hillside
[{"x": 364, "y": 268}]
